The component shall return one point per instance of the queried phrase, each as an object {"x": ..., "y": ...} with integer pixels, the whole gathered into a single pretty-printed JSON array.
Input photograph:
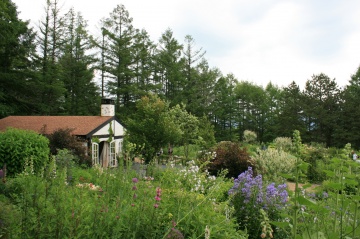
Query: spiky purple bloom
[{"x": 251, "y": 190}]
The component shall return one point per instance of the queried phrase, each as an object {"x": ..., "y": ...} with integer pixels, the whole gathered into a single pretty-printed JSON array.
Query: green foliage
[
  {"x": 155, "y": 125},
  {"x": 317, "y": 157},
  {"x": 17, "y": 146},
  {"x": 249, "y": 136},
  {"x": 230, "y": 156},
  {"x": 117, "y": 204},
  {"x": 206, "y": 137},
  {"x": 150, "y": 128},
  {"x": 9, "y": 218},
  {"x": 77, "y": 71},
  {"x": 272, "y": 163},
  {"x": 188, "y": 126},
  {"x": 63, "y": 139},
  {"x": 18, "y": 88},
  {"x": 283, "y": 143}
]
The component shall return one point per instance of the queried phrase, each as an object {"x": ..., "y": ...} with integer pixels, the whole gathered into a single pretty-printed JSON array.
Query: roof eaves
[{"x": 99, "y": 127}]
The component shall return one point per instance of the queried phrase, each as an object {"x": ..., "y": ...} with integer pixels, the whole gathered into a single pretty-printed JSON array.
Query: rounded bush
[
  {"x": 231, "y": 156},
  {"x": 20, "y": 146}
]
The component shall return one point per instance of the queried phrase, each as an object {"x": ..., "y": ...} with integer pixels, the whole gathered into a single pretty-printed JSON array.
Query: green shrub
[
  {"x": 17, "y": 146},
  {"x": 249, "y": 136},
  {"x": 283, "y": 143},
  {"x": 232, "y": 157},
  {"x": 63, "y": 139},
  {"x": 271, "y": 163},
  {"x": 9, "y": 218},
  {"x": 317, "y": 157}
]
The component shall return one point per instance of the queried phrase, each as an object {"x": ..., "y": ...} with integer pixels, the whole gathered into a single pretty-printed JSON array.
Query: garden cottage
[{"x": 103, "y": 134}]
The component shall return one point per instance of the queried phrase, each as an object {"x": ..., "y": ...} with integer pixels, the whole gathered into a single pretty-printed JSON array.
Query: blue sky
[{"x": 260, "y": 41}]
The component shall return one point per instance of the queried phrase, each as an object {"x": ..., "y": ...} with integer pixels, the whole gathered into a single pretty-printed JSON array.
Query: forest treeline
[{"x": 59, "y": 68}]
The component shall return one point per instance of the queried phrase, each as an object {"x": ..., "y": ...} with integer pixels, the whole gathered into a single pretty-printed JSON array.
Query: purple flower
[
  {"x": 250, "y": 189},
  {"x": 134, "y": 188},
  {"x": 135, "y": 180},
  {"x": 325, "y": 195}
]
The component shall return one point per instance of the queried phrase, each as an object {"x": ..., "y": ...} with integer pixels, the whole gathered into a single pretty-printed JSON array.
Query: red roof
[{"x": 81, "y": 125}]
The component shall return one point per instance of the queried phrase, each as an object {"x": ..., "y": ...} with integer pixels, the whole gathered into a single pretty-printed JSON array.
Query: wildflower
[
  {"x": 156, "y": 205},
  {"x": 207, "y": 232},
  {"x": 325, "y": 195},
  {"x": 134, "y": 188},
  {"x": 158, "y": 191},
  {"x": 175, "y": 234},
  {"x": 132, "y": 204},
  {"x": 157, "y": 198},
  {"x": 135, "y": 180}
]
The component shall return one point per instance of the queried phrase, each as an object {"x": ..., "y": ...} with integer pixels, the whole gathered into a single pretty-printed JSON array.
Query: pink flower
[
  {"x": 132, "y": 204},
  {"x": 135, "y": 180},
  {"x": 134, "y": 188},
  {"x": 158, "y": 191},
  {"x": 156, "y": 205},
  {"x": 157, "y": 198}
]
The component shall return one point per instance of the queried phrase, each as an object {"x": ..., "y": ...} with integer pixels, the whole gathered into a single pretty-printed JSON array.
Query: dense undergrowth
[{"x": 64, "y": 200}]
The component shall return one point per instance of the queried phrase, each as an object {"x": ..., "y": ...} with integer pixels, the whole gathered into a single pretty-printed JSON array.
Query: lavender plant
[{"x": 249, "y": 195}]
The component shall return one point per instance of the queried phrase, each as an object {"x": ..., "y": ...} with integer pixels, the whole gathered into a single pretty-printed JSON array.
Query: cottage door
[
  {"x": 95, "y": 153},
  {"x": 112, "y": 162}
]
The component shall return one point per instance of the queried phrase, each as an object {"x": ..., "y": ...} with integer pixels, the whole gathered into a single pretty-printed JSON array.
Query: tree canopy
[{"x": 61, "y": 69}]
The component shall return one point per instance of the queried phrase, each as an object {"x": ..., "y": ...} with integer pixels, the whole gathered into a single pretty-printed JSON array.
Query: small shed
[{"x": 103, "y": 134}]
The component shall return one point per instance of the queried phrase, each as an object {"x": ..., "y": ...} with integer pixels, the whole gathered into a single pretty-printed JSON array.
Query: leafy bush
[
  {"x": 249, "y": 136},
  {"x": 63, "y": 139},
  {"x": 271, "y": 163},
  {"x": 17, "y": 146},
  {"x": 317, "y": 157},
  {"x": 9, "y": 218},
  {"x": 283, "y": 143},
  {"x": 230, "y": 156}
]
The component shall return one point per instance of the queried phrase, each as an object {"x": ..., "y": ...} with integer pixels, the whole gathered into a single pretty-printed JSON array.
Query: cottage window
[
  {"x": 120, "y": 146},
  {"x": 95, "y": 153}
]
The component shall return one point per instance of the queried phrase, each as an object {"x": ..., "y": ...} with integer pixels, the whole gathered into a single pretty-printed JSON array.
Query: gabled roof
[{"x": 81, "y": 125}]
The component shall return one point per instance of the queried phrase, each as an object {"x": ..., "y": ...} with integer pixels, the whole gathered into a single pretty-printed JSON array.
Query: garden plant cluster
[{"x": 64, "y": 200}]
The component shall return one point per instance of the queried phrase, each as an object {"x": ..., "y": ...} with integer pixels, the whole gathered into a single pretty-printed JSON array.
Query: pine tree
[
  {"x": 77, "y": 71},
  {"x": 51, "y": 88},
  {"x": 17, "y": 50}
]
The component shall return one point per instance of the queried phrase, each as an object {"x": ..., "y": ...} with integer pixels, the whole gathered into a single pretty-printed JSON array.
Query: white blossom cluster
[
  {"x": 194, "y": 177},
  {"x": 89, "y": 186}
]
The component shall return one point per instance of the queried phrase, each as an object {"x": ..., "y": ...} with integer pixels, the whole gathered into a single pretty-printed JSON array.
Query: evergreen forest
[{"x": 59, "y": 68}]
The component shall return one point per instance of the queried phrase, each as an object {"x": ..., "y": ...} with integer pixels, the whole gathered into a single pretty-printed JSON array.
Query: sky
[{"x": 261, "y": 41}]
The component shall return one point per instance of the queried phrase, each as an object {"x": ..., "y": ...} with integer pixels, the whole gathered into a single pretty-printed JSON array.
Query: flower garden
[{"x": 187, "y": 202}]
